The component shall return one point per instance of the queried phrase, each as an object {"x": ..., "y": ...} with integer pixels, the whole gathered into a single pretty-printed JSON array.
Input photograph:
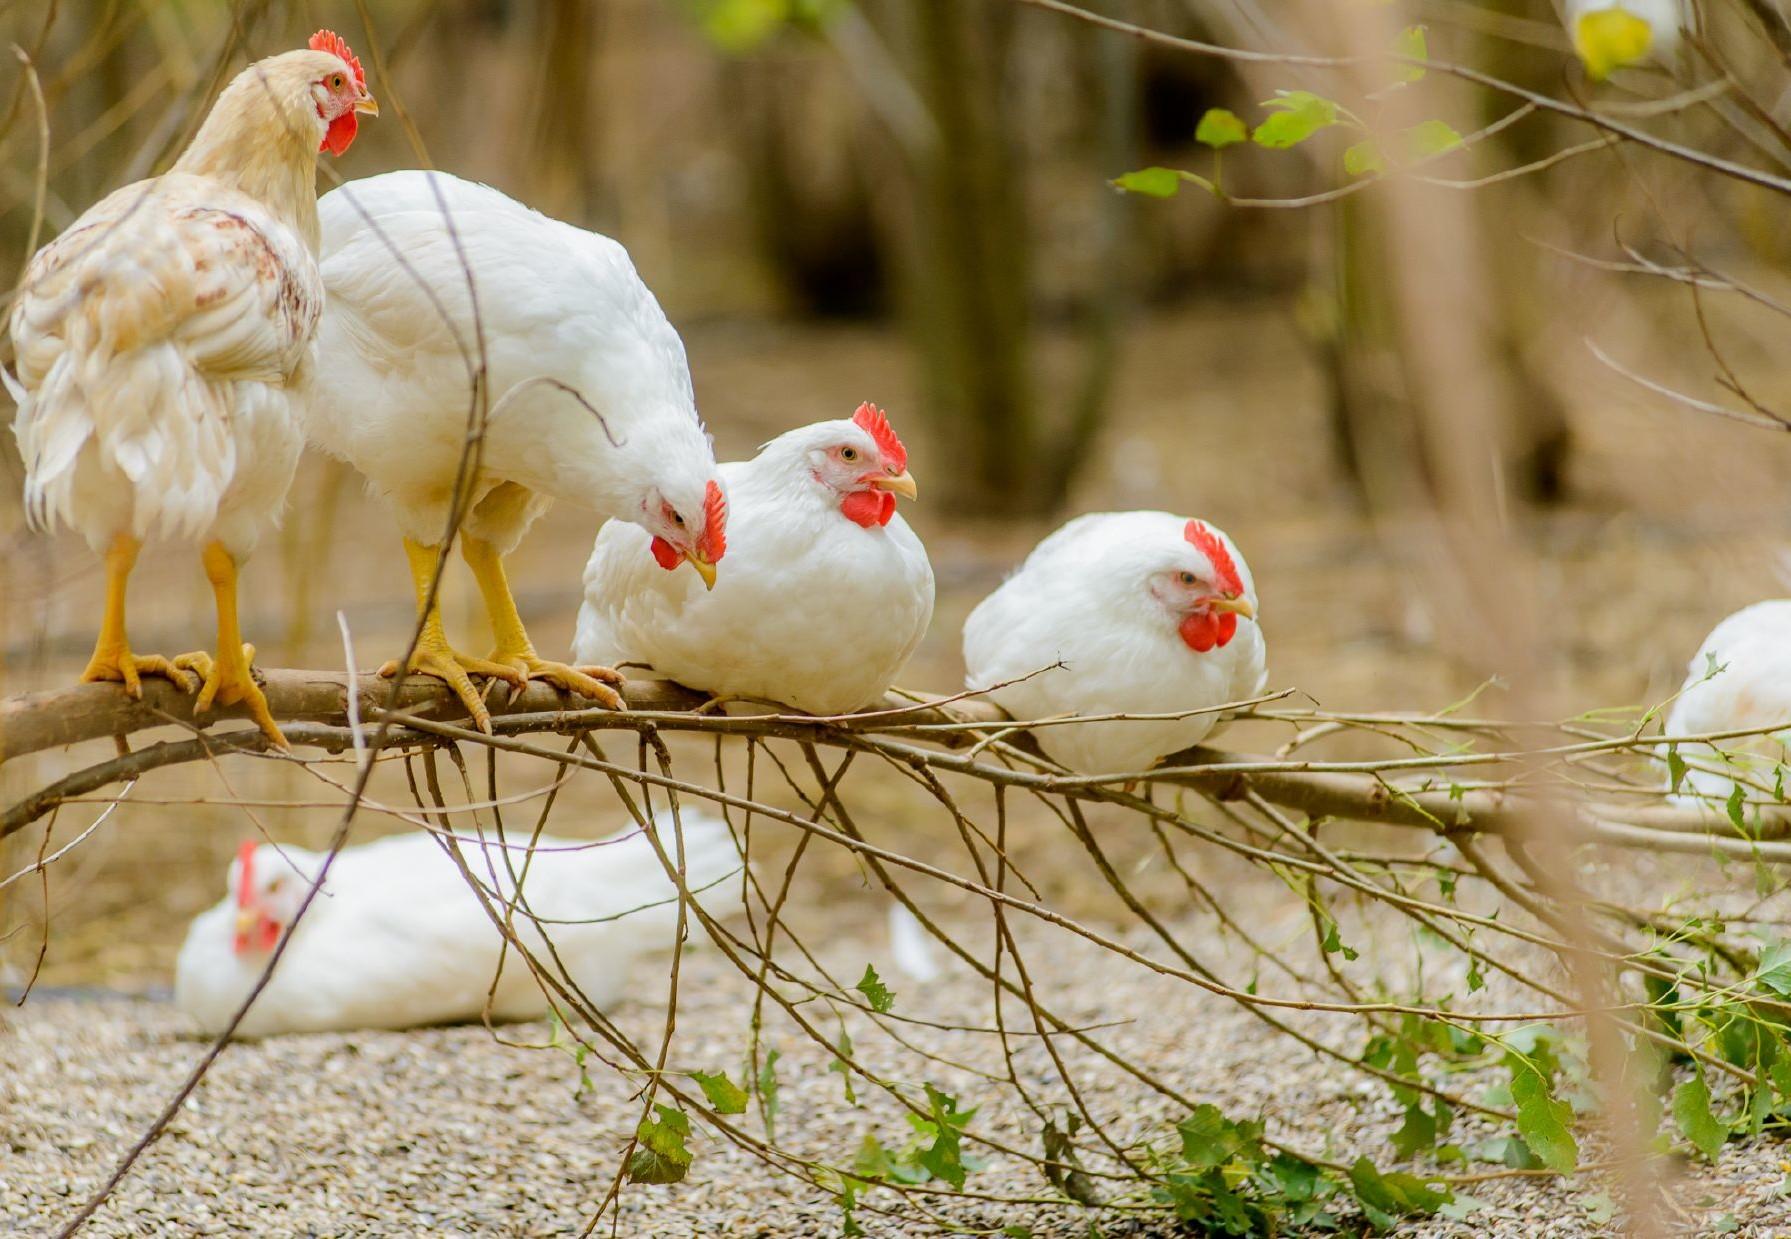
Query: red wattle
[
  {"x": 340, "y": 133},
  {"x": 1208, "y": 630},
  {"x": 667, "y": 556},
  {"x": 868, "y": 507}
]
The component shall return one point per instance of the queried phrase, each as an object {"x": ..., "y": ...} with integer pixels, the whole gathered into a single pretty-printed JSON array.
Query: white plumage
[
  {"x": 822, "y": 601},
  {"x": 1739, "y": 678},
  {"x": 561, "y": 311},
  {"x": 1149, "y": 613},
  {"x": 157, "y": 339},
  {"x": 396, "y": 939}
]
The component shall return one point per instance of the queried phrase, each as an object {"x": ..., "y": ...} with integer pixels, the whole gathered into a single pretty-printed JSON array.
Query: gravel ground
[{"x": 450, "y": 1132}]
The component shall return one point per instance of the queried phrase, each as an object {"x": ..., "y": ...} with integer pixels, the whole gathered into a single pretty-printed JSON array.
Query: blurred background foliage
[{"x": 942, "y": 164}]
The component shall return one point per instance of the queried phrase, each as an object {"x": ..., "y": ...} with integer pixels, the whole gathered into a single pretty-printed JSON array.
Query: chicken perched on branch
[
  {"x": 827, "y": 590},
  {"x": 431, "y": 277},
  {"x": 397, "y": 938},
  {"x": 1139, "y": 613},
  {"x": 1740, "y": 678},
  {"x": 157, "y": 339}
]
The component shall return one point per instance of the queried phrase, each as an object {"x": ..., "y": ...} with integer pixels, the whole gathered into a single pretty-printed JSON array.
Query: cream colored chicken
[{"x": 156, "y": 339}]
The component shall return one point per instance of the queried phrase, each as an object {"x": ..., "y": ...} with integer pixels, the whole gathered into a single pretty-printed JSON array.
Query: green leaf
[
  {"x": 1476, "y": 979},
  {"x": 1431, "y": 137},
  {"x": 1220, "y": 128},
  {"x": 1418, "y": 1133},
  {"x": 1599, "y": 1207},
  {"x": 659, "y": 1153},
  {"x": 1410, "y": 44},
  {"x": 1775, "y": 968},
  {"x": 872, "y": 987},
  {"x": 1334, "y": 944},
  {"x": 943, "y": 1158},
  {"x": 726, "y": 1096},
  {"x": 1675, "y": 767},
  {"x": 1209, "y": 1139},
  {"x": 767, "y": 1081},
  {"x": 1691, "y": 1110},
  {"x": 1386, "y": 1197},
  {"x": 1733, "y": 807},
  {"x": 845, "y": 1071},
  {"x": 1365, "y": 159},
  {"x": 1298, "y": 114},
  {"x": 1063, "y": 1165},
  {"x": 1542, "y": 1120},
  {"x": 1151, "y": 182}
]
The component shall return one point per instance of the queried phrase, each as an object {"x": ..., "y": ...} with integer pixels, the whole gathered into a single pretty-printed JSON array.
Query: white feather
[
  {"x": 396, "y": 939},
  {"x": 910, "y": 946},
  {"x": 1739, "y": 678},
  {"x": 1083, "y": 599},
  {"x": 809, "y": 609}
]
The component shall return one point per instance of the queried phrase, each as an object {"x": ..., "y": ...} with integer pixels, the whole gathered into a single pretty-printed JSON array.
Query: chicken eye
[
  {"x": 336, "y": 81},
  {"x": 848, "y": 454},
  {"x": 677, "y": 519},
  {"x": 1187, "y": 578}
]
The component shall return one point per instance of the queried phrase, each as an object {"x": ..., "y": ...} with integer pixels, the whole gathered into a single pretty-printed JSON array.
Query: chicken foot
[
  {"x": 112, "y": 658},
  {"x": 227, "y": 678},
  {"x": 515, "y": 649}
]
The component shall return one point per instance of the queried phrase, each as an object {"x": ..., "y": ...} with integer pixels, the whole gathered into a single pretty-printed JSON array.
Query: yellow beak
[
  {"x": 704, "y": 568},
  {"x": 367, "y": 104},
  {"x": 1237, "y": 606},
  {"x": 246, "y": 920},
  {"x": 901, "y": 484}
]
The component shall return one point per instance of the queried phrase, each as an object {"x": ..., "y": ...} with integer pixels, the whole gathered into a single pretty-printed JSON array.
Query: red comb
[
  {"x": 330, "y": 41},
  {"x": 870, "y": 419},
  {"x": 245, "y": 877},
  {"x": 714, "y": 540},
  {"x": 1212, "y": 546}
]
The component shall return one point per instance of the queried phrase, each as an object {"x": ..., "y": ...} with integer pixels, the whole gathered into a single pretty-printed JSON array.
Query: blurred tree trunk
[
  {"x": 565, "y": 145},
  {"x": 1350, "y": 317},
  {"x": 969, "y": 300}
]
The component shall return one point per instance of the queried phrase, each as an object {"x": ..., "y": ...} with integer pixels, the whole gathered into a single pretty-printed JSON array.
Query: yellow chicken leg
[
  {"x": 227, "y": 679},
  {"x": 112, "y": 658},
  {"x": 513, "y": 645},
  {"x": 434, "y": 656}
]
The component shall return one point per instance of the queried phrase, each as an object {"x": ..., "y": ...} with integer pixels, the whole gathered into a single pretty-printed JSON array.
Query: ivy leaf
[
  {"x": 1298, "y": 114},
  {"x": 1431, "y": 137},
  {"x": 1365, "y": 159},
  {"x": 1732, "y": 806},
  {"x": 659, "y": 1154},
  {"x": 1151, "y": 182},
  {"x": 767, "y": 1082},
  {"x": 1334, "y": 944},
  {"x": 1775, "y": 968},
  {"x": 1418, "y": 1133},
  {"x": 1608, "y": 39},
  {"x": 1209, "y": 1139},
  {"x": 845, "y": 1071},
  {"x": 874, "y": 991},
  {"x": 726, "y": 1096},
  {"x": 1691, "y": 1110},
  {"x": 1476, "y": 979},
  {"x": 944, "y": 1158},
  {"x": 1220, "y": 128},
  {"x": 1410, "y": 44},
  {"x": 1675, "y": 768},
  {"x": 1386, "y": 1197},
  {"x": 1542, "y": 1119}
]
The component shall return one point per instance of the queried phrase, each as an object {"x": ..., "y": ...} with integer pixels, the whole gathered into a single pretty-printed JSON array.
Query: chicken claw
[
  {"x": 228, "y": 681},
  {"x": 598, "y": 683},
  {"x": 119, "y": 665},
  {"x": 435, "y": 657}
]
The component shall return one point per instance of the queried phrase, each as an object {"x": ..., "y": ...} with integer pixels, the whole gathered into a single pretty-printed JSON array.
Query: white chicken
[
  {"x": 590, "y": 396},
  {"x": 1148, "y": 613},
  {"x": 396, "y": 938},
  {"x": 1611, "y": 34},
  {"x": 157, "y": 338},
  {"x": 1739, "y": 678},
  {"x": 827, "y": 591}
]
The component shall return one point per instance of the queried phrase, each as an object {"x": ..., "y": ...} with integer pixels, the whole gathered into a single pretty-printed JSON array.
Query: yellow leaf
[{"x": 1608, "y": 39}]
